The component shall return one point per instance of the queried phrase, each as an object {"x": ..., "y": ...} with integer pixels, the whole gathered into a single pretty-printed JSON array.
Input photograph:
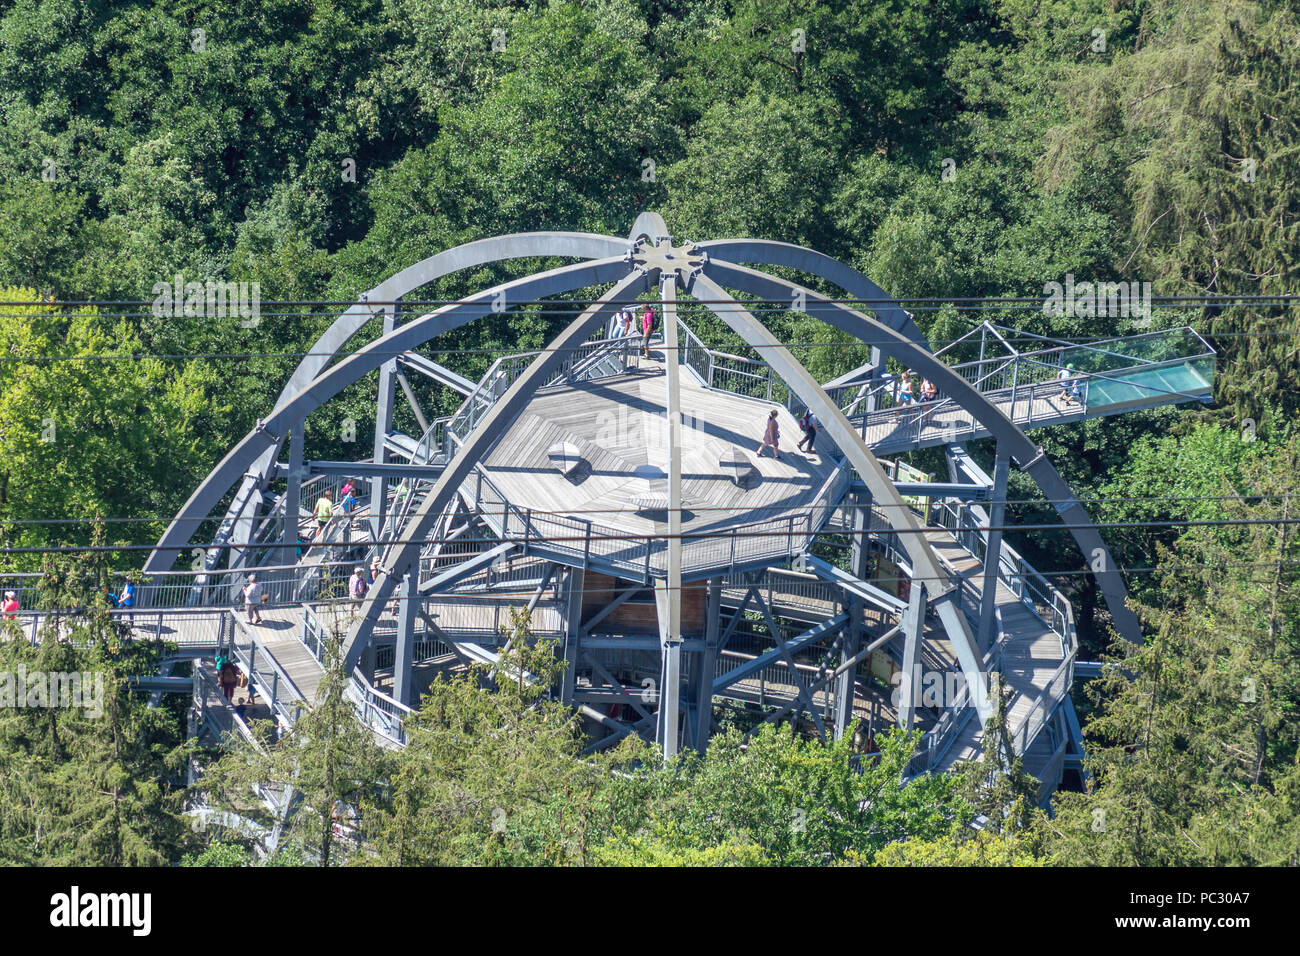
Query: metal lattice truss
[{"x": 647, "y": 258}]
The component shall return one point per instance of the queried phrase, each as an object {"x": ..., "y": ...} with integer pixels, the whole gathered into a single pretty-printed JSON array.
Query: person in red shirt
[
  {"x": 10, "y": 605},
  {"x": 647, "y": 326}
]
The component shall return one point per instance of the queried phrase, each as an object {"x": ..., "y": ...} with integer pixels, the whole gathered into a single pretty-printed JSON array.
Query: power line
[
  {"x": 633, "y": 537},
  {"x": 844, "y": 506},
  {"x": 145, "y": 610},
  {"x": 1038, "y": 300}
]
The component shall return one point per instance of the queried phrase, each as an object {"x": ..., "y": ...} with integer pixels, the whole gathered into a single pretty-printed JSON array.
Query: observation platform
[{"x": 610, "y": 506}]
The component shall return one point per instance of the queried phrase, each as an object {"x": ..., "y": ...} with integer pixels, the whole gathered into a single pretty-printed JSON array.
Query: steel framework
[{"x": 688, "y": 666}]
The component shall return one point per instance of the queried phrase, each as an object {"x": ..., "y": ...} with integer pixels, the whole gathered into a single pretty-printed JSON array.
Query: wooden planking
[{"x": 615, "y": 421}]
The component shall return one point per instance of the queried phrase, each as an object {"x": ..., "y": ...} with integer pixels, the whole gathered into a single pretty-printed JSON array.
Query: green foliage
[
  {"x": 328, "y": 761},
  {"x": 785, "y": 800},
  {"x": 218, "y": 854},
  {"x": 95, "y": 430},
  {"x": 1194, "y": 747},
  {"x": 94, "y": 781}
]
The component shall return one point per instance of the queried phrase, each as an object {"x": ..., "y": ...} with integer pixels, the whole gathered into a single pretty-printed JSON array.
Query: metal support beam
[
  {"x": 407, "y": 607},
  {"x": 572, "y": 604},
  {"x": 670, "y": 608},
  {"x": 368, "y": 469},
  {"x": 383, "y": 425},
  {"x": 411, "y": 400},
  {"x": 440, "y": 374},
  {"x": 466, "y": 569},
  {"x": 913, "y": 631},
  {"x": 670, "y": 677},
  {"x": 996, "y": 515},
  {"x": 707, "y": 662},
  {"x": 293, "y": 495},
  {"x": 620, "y": 598},
  {"x": 793, "y": 645},
  {"x": 855, "y": 586},
  {"x": 932, "y": 489},
  {"x": 846, "y": 684}
]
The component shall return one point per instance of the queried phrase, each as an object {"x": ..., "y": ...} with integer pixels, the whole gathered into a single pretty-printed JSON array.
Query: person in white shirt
[{"x": 253, "y": 599}]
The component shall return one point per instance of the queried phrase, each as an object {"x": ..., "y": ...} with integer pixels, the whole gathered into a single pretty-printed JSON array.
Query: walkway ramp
[
  {"x": 1102, "y": 378},
  {"x": 1029, "y": 654}
]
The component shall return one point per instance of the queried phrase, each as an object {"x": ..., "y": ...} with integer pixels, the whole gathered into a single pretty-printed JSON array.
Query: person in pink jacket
[{"x": 647, "y": 326}]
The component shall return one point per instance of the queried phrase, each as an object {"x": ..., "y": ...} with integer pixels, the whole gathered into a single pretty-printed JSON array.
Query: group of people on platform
[
  {"x": 904, "y": 394},
  {"x": 772, "y": 433},
  {"x": 624, "y": 324}
]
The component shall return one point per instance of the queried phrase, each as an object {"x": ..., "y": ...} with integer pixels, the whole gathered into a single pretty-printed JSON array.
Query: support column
[
  {"x": 292, "y": 496},
  {"x": 669, "y": 697},
  {"x": 670, "y": 607},
  {"x": 997, "y": 516},
  {"x": 383, "y": 425},
  {"x": 407, "y": 608},
  {"x": 572, "y": 632},
  {"x": 873, "y": 379},
  {"x": 913, "y": 629},
  {"x": 708, "y": 662},
  {"x": 851, "y": 642}
]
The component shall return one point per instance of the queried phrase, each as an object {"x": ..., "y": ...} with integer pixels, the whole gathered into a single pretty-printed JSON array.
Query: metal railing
[
  {"x": 263, "y": 671},
  {"x": 582, "y": 540},
  {"x": 595, "y": 358},
  {"x": 1030, "y": 388},
  {"x": 382, "y": 713}
]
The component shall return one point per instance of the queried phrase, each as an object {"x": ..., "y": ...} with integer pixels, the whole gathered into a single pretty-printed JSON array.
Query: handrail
[
  {"x": 498, "y": 378},
  {"x": 379, "y": 711},
  {"x": 277, "y": 678}
]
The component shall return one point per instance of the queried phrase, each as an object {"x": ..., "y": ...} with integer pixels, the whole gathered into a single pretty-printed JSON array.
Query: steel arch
[
  {"x": 269, "y": 432},
  {"x": 1029, "y": 456}
]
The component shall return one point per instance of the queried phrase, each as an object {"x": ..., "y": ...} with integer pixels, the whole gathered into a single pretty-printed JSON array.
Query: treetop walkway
[{"x": 619, "y": 500}]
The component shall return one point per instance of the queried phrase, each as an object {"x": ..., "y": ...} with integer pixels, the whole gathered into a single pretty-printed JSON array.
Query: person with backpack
[
  {"x": 808, "y": 422},
  {"x": 228, "y": 678}
]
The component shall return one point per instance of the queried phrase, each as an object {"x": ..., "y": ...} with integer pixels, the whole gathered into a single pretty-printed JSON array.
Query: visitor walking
[
  {"x": 771, "y": 436},
  {"x": 647, "y": 326},
  {"x": 11, "y": 605},
  {"x": 374, "y": 571},
  {"x": 228, "y": 678},
  {"x": 357, "y": 586},
  {"x": 904, "y": 396},
  {"x": 127, "y": 600},
  {"x": 253, "y": 598},
  {"x": 929, "y": 392},
  {"x": 1069, "y": 387},
  {"x": 808, "y": 422},
  {"x": 324, "y": 511}
]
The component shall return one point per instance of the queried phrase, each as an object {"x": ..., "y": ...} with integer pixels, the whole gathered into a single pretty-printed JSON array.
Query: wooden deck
[
  {"x": 1031, "y": 651},
  {"x": 619, "y": 426}
]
